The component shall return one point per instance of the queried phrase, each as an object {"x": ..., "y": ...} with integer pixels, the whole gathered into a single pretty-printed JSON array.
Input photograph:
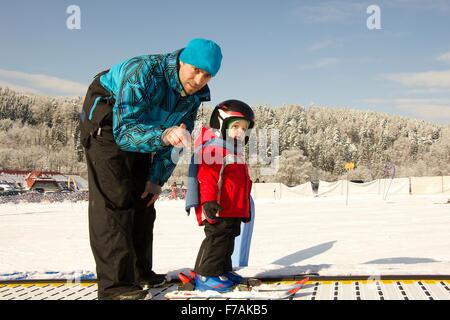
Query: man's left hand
[{"x": 154, "y": 190}]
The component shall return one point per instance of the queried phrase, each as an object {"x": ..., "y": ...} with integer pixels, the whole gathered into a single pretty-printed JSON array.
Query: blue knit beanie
[{"x": 204, "y": 54}]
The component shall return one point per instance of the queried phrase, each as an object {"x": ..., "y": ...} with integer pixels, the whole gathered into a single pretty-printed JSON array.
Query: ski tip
[
  {"x": 184, "y": 278},
  {"x": 303, "y": 281},
  {"x": 299, "y": 286},
  {"x": 192, "y": 273},
  {"x": 294, "y": 290}
]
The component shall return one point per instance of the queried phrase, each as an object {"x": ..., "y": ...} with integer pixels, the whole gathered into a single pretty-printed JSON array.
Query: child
[{"x": 223, "y": 192}]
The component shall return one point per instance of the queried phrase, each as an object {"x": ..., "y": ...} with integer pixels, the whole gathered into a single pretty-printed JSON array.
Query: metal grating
[{"x": 428, "y": 289}]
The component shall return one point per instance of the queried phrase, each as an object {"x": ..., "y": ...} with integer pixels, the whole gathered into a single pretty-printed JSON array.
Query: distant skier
[
  {"x": 183, "y": 190},
  {"x": 223, "y": 199},
  {"x": 133, "y": 116},
  {"x": 173, "y": 191},
  {"x": 315, "y": 187}
]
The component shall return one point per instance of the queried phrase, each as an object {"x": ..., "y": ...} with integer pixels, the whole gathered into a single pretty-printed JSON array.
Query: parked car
[{"x": 4, "y": 192}]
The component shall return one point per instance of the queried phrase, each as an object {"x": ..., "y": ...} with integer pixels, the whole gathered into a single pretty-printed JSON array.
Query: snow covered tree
[
  {"x": 294, "y": 168},
  {"x": 40, "y": 132}
]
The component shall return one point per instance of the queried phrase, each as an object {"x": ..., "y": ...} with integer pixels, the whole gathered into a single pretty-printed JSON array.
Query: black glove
[
  {"x": 246, "y": 220},
  {"x": 211, "y": 209}
]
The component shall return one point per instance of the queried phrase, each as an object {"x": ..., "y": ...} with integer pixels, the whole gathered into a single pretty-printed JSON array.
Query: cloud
[
  {"x": 351, "y": 11},
  {"x": 330, "y": 12},
  {"x": 42, "y": 83},
  {"x": 18, "y": 88},
  {"x": 436, "y": 110},
  {"x": 322, "y": 63},
  {"x": 316, "y": 46},
  {"x": 441, "y": 6},
  {"x": 427, "y": 80},
  {"x": 445, "y": 57}
]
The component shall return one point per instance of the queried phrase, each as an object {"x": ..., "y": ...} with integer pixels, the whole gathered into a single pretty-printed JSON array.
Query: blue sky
[{"x": 275, "y": 52}]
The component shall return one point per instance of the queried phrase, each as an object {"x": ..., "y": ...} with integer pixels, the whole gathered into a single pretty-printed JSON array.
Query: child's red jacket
[{"x": 223, "y": 177}]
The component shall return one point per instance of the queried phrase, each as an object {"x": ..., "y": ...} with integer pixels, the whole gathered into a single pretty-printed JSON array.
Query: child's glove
[{"x": 211, "y": 209}]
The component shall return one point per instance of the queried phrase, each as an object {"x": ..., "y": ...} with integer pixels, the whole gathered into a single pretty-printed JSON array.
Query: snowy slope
[{"x": 403, "y": 235}]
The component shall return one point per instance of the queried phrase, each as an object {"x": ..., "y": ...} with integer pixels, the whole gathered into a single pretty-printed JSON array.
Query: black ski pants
[
  {"x": 214, "y": 256},
  {"x": 120, "y": 223}
]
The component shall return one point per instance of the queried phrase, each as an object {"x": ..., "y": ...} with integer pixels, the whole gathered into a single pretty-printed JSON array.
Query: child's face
[{"x": 238, "y": 129}]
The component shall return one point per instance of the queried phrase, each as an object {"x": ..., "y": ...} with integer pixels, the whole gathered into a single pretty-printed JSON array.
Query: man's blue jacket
[{"x": 149, "y": 98}]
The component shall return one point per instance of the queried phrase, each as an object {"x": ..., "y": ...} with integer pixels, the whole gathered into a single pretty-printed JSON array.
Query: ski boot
[{"x": 218, "y": 283}]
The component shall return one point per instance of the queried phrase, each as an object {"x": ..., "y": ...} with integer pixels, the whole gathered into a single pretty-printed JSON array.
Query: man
[{"x": 133, "y": 116}]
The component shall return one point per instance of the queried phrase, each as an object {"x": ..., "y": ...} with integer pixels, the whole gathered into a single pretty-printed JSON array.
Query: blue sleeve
[
  {"x": 162, "y": 166},
  {"x": 129, "y": 132}
]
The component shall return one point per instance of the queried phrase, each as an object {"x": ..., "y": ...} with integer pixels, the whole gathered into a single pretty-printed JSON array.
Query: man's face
[{"x": 192, "y": 78}]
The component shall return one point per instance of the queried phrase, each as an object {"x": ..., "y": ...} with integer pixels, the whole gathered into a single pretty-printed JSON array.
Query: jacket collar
[{"x": 172, "y": 78}]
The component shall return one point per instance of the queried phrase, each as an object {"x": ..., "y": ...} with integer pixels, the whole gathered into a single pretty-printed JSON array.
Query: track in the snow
[{"x": 318, "y": 288}]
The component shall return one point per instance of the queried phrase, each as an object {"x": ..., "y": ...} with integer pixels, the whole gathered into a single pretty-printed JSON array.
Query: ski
[
  {"x": 240, "y": 292},
  {"x": 257, "y": 285},
  {"x": 279, "y": 286}
]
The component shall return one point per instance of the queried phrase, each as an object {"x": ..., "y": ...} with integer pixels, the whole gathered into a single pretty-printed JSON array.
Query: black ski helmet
[{"x": 230, "y": 110}]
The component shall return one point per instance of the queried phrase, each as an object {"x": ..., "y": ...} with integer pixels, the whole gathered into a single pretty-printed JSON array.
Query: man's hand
[
  {"x": 176, "y": 136},
  {"x": 154, "y": 190},
  {"x": 211, "y": 209}
]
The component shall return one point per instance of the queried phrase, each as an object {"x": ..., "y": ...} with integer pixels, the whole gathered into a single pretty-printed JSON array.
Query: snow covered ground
[{"x": 400, "y": 236}]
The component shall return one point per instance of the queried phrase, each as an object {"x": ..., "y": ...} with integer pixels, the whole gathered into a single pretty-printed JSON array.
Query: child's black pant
[{"x": 214, "y": 256}]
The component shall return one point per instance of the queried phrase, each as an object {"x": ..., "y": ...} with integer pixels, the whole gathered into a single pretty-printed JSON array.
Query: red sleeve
[{"x": 208, "y": 177}]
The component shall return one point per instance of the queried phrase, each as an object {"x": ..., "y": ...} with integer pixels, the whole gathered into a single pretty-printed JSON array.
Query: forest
[{"x": 315, "y": 142}]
